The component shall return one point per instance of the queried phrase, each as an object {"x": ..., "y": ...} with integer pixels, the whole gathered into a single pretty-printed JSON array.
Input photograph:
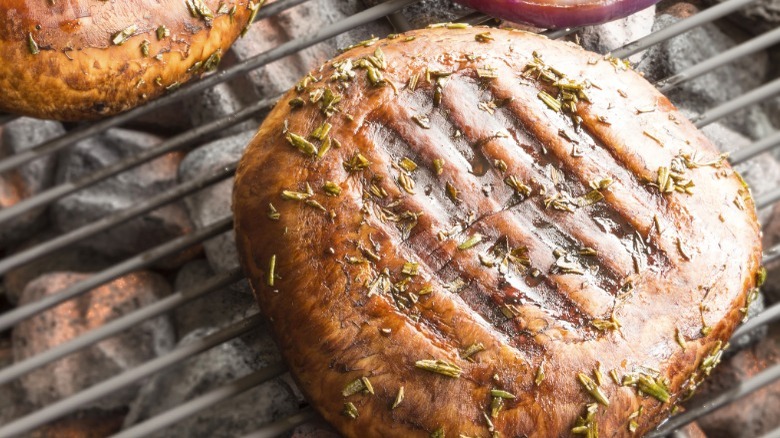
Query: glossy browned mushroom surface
[
  {"x": 515, "y": 234},
  {"x": 86, "y": 59}
]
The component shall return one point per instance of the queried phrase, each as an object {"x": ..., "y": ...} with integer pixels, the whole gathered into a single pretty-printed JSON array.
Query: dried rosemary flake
[
  {"x": 600, "y": 183},
  {"x": 680, "y": 339},
  {"x": 222, "y": 9},
  {"x": 654, "y": 138},
  {"x": 646, "y": 109},
  {"x": 407, "y": 164},
  {"x": 271, "y": 269},
  {"x": 198, "y": 9},
  {"x": 367, "y": 384},
  {"x": 470, "y": 242},
  {"x": 412, "y": 85},
  {"x": 761, "y": 276},
  {"x": 452, "y": 192},
  {"x": 301, "y": 144},
  {"x": 606, "y": 324},
  {"x": 683, "y": 251},
  {"x": 273, "y": 214},
  {"x": 439, "y": 433},
  {"x": 500, "y": 165},
  {"x": 550, "y": 101},
  {"x": 472, "y": 350},
  {"x": 315, "y": 204},
  {"x": 539, "y": 374},
  {"x": 254, "y": 8},
  {"x": 296, "y": 102},
  {"x": 587, "y": 425},
  {"x": 496, "y": 405},
  {"x": 713, "y": 359},
  {"x": 517, "y": 186},
  {"x": 324, "y": 147},
  {"x": 356, "y": 163},
  {"x": 632, "y": 426},
  {"x": 458, "y": 25},
  {"x": 212, "y": 62},
  {"x": 406, "y": 182},
  {"x": 422, "y": 120},
  {"x": 145, "y": 48},
  {"x": 120, "y": 37},
  {"x": 438, "y": 166},
  {"x": 487, "y": 72},
  {"x": 653, "y": 387},
  {"x": 589, "y": 198},
  {"x": 350, "y": 410},
  {"x": 614, "y": 374},
  {"x": 501, "y": 394},
  {"x": 331, "y": 188},
  {"x": 399, "y": 397},
  {"x": 410, "y": 268},
  {"x": 593, "y": 389},
  {"x": 483, "y": 37},
  {"x": 439, "y": 366},
  {"x": 295, "y": 196},
  {"x": 162, "y": 32},
  {"x": 321, "y": 132},
  {"x": 365, "y": 43},
  {"x": 32, "y": 46}
]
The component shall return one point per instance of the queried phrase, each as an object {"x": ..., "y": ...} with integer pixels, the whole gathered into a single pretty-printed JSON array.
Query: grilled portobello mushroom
[
  {"x": 80, "y": 60},
  {"x": 479, "y": 232}
]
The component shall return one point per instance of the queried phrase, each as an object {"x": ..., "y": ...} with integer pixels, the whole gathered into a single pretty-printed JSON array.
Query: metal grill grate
[{"x": 202, "y": 133}]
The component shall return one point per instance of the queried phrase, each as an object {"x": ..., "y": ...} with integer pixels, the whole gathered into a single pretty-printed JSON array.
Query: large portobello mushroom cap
[
  {"x": 468, "y": 231},
  {"x": 86, "y": 59}
]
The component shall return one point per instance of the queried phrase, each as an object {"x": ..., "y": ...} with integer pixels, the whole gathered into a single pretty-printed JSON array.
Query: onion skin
[{"x": 558, "y": 14}]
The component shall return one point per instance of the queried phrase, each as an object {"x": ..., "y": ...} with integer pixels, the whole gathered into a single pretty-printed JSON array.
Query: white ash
[
  {"x": 605, "y": 38},
  {"x": 300, "y": 22},
  {"x": 27, "y": 180},
  {"x": 78, "y": 371},
  {"x": 213, "y": 203},
  {"x": 718, "y": 86},
  {"x": 212, "y": 369},
  {"x": 119, "y": 193},
  {"x": 216, "y": 309}
]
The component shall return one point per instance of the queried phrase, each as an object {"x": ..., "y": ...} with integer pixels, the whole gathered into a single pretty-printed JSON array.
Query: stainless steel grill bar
[
  {"x": 751, "y": 46},
  {"x": 278, "y": 52},
  {"x": 763, "y": 145},
  {"x": 281, "y": 426},
  {"x": 8, "y": 319},
  {"x": 72, "y": 403},
  {"x": 205, "y": 401},
  {"x": 768, "y": 198},
  {"x": 706, "y": 16},
  {"x": 276, "y": 7},
  {"x": 771, "y": 255},
  {"x": 69, "y": 238},
  {"x": 118, "y": 325},
  {"x": 756, "y": 382},
  {"x": 197, "y": 135},
  {"x": 753, "y": 96}
]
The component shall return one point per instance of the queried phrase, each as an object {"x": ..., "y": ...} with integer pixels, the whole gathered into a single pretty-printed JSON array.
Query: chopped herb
[
  {"x": 593, "y": 389},
  {"x": 222, "y": 9},
  {"x": 399, "y": 397},
  {"x": 120, "y": 37},
  {"x": 412, "y": 85},
  {"x": 496, "y": 405},
  {"x": 315, "y": 204},
  {"x": 271, "y": 269},
  {"x": 713, "y": 358},
  {"x": 273, "y": 214},
  {"x": 761, "y": 276},
  {"x": 145, "y": 48},
  {"x": 517, "y": 186},
  {"x": 680, "y": 339},
  {"x": 487, "y": 72},
  {"x": 422, "y": 120},
  {"x": 365, "y": 43},
  {"x": 321, "y": 132},
  {"x": 325, "y": 146},
  {"x": 653, "y": 387},
  {"x": 606, "y": 324},
  {"x": 470, "y": 242},
  {"x": 472, "y": 350},
  {"x": 458, "y": 25},
  {"x": 32, "y": 46},
  {"x": 407, "y": 164},
  {"x": 212, "y": 62},
  {"x": 550, "y": 101},
  {"x": 295, "y": 196},
  {"x": 501, "y": 394},
  {"x": 350, "y": 410},
  {"x": 296, "y": 102},
  {"x": 438, "y": 433},
  {"x": 301, "y": 144},
  {"x": 439, "y": 366},
  {"x": 438, "y": 166},
  {"x": 406, "y": 182},
  {"x": 356, "y": 163},
  {"x": 539, "y": 374},
  {"x": 331, "y": 188},
  {"x": 483, "y": 37},
  {"x": 452, "y": 192},
  {"x": 500, "y": 165},
  {"x": 198, "y": 9},
  {"x": 163, "y": 32},
  {"x": 254, "y": 8},
  {"x": 587, "y": 425}
]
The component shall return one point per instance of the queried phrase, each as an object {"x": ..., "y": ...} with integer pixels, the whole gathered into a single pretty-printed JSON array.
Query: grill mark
[
  {"x": 423, "y": 141},
  {"x": 629, "y": 200}
]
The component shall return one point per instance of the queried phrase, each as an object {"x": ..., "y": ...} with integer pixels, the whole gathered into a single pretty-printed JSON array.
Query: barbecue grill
[{"x": 389, "y": 9}]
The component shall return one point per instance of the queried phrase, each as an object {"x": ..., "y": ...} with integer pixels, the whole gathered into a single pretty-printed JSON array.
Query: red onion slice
[{"x": 558, "y": 14}]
